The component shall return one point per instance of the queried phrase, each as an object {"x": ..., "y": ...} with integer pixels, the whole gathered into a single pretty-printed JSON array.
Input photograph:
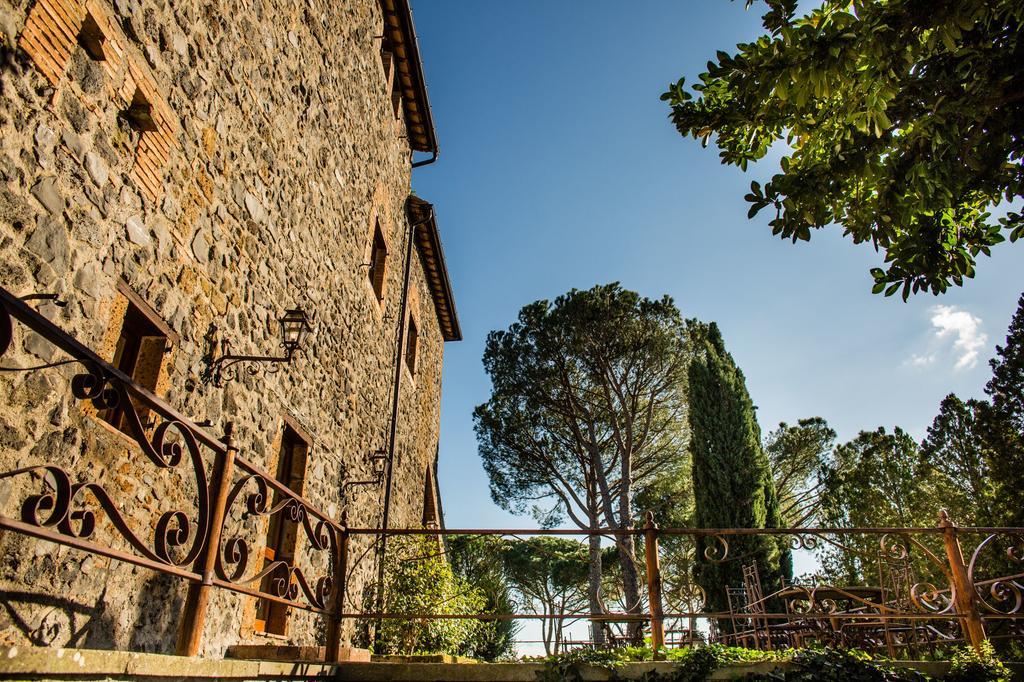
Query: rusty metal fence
[
  {"x": 196, "y": 545},
  {"x": 200, "y": 546},
  {"x": 951, "y": 601}
]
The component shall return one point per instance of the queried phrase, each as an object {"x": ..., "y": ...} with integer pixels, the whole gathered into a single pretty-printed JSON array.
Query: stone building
[{"x": 174, "y": 178}]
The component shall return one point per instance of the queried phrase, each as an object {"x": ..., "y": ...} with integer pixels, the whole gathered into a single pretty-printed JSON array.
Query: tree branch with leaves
[{"x": 902, "y": 122}]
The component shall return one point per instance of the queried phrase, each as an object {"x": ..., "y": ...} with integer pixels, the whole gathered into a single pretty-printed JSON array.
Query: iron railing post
[
  {"x": 197, "y": 600},
  {"x": 654, "y": 585},
  {"x": 965, "y": 599},
  {"x": 338, "y": 606}
]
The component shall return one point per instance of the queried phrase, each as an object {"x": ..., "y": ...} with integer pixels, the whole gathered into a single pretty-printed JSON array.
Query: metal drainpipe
[{"x": 393, "y": 430}]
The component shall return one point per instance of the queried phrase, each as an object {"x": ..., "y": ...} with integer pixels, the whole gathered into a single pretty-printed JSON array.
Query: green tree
[
  {"x": 903, "y": 123},
  {"x": 419, "y": 580},
  {"x": 956, "y": 451},
  {"x": 551, "y": 575},
  {"x": 796, "y": 455},
  {"x": 732, "y": 481},
  {"x": 478, "y": 560},
  {"x": 1005, "y": 425},
  {"x": 975, "y": 448},
  {"x": 872, "y": 481},
  {"x": 588, "y": 403}
]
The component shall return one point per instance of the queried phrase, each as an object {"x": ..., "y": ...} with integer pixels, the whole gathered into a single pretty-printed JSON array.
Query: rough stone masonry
[{"x": 220, "y": 162}]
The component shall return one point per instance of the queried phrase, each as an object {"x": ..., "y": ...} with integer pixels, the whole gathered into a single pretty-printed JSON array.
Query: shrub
[
  {"x": 693, "y": 664},
  {"x": 419, "y": 580},
  {"x": 806, "y": 665},
  {"x": 970, "y": 665}
]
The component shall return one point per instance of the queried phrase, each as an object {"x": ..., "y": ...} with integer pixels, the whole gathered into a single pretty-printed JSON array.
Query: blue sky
[{"x": 560, "y": 169}]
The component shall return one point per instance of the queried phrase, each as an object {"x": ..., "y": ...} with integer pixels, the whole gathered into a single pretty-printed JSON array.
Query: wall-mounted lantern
[
  {"x": 378, "y": 464},
  {"x": 294, "y": 329}
]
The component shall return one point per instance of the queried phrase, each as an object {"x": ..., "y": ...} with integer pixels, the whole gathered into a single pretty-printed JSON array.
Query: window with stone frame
[
  {"x": 378, "y": 261},
  {"x": 140, "y": 350},
  {"x": 411, "y": 343},
  {"x": 282, "y": 532},
  {"x": 54, "y": 29}
]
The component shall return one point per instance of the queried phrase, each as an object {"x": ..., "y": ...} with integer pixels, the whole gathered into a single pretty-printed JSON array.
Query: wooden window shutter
[
  {"x": 147, "y": 367},
  {"x": 379, "y": 265}
]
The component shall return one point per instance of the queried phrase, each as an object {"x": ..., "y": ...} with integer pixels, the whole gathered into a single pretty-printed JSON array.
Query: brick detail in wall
[
  {"x": 154, "y": 148},
  {"x": 154, "y": 145},
  {"x": 51, "y": 34},
  {"x": 49, "y": 38}
]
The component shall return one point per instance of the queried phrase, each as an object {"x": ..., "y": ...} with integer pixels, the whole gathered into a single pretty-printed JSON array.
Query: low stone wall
[
  {"x": 21, "y": 663},
  {"x": 26, "y": 663}
]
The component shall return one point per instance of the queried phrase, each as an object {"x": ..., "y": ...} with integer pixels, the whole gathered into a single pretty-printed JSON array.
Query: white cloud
[
  {"x": 921, "y": 360},
  {"x": 965, "y": 330}
]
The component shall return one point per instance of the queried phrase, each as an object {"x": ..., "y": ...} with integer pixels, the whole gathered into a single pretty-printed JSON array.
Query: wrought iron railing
[
  {"x": 196, "y": 544},
  {"x": 950, "y": 601},
  {"x": 203, "y": 546}
]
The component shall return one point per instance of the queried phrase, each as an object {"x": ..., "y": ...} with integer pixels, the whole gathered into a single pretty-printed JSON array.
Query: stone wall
[{"x": 271, "y": 150}]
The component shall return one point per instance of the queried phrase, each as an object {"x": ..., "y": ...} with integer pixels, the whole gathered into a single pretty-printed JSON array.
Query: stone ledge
[
  {"x": 287, "y": 652},
  {"x": 73, "y": 664}
]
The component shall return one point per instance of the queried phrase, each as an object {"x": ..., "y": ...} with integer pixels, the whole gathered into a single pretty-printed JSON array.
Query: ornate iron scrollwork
[
  {"x": 287, "y": 581},
  {"x": 718, "y": 552},
  {"x": 65, "y": 506},
  {"x": 1001, "y": 595},
  {"x": 69, "y": 508}
]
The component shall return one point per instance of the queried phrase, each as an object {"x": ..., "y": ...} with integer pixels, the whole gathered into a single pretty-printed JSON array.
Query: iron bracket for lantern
[
  {"x": 378, "y": 462},
  {"x": 294, "y": 329}
]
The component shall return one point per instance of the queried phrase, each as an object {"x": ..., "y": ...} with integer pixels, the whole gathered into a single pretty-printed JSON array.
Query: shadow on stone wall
[
  {"x": 159, "y": 607},
  {"x": 54, "y": 621}
]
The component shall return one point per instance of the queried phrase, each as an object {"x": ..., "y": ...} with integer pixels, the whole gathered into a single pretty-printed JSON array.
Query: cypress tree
[
  {"x": 732, "y": 482},
  {"x": 1005, "y": 423}
]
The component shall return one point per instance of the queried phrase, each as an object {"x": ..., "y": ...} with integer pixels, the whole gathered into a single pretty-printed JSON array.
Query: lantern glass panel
[{"x": 293, "y": 326}]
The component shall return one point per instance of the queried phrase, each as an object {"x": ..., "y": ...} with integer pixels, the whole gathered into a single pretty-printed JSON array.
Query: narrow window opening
[
  {"x": 282, "y": 534},
  {"x": 392, "y": 79},
  {"x": 431, "y": 514},
  {"x": 396, "y": 94},
  {"x": 378, "y": 262},
  {"x": 386, "y": 59},
  {"x": 410, "y": 346},
  {"x": 91, "y": 39},
  {"x": 139, "y": 113},
  {"x": 139, "y": 354}
]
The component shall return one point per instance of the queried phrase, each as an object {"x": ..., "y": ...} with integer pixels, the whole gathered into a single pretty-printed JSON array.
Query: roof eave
[
  {"x": 431, "y": 251},
  {"x": 420, "y": 103}
]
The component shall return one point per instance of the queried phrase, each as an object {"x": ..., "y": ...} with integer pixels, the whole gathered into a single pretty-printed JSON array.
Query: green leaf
[{"x": 882, "y": 139}]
